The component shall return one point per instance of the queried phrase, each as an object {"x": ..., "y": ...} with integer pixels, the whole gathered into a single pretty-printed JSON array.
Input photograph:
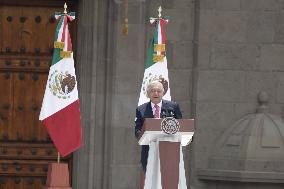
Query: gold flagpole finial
[
  {"x": 160, "y": 11},
  {"x": 65, "y": 8}
]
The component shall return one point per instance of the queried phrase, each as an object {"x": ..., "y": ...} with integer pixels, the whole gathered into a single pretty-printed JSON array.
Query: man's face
[{"x": 156, "y": 93}]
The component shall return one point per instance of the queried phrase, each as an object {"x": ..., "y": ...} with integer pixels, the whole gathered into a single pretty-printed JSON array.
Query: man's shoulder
[
  {"x": 169, "y": 102},
  {"x": 143, "y": 106}
]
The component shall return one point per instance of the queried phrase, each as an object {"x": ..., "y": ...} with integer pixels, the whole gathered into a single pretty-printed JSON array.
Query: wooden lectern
[{"x": 169, "y": 147}]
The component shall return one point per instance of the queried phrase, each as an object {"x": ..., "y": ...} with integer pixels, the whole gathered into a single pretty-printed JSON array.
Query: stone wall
[
  {"x": 240, "y": 45},
  {"x": 221, "y": 53}
]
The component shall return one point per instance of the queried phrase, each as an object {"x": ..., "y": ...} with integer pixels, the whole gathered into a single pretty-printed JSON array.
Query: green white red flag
[
  {"x": 60, "y": 111},
  {"x": 156, "y": 64}
]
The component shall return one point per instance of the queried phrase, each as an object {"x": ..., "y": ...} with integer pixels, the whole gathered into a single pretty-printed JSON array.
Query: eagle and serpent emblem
[
  {"x": 150, "y": 78},
  {"x": 61, "y": 84},
  {"x": 170, "y": 125}
]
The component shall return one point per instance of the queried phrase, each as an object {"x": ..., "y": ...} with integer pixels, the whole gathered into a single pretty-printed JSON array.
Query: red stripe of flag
[
  {"x": 64, "y": 28},
  {"x": 64, "y": 128},
  {"x": 69, "y": 45},
  {"x": 162, "y": 25}
]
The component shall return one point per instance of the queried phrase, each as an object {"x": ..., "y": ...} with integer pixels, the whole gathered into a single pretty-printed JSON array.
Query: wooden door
[{"x": 26, "y": 43}]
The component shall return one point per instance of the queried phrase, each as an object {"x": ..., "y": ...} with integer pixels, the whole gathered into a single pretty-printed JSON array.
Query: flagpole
[{"x": 58, "y": 157}]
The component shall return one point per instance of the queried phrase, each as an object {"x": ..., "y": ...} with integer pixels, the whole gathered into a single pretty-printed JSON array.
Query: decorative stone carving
[{"x": 251, "y": 150}]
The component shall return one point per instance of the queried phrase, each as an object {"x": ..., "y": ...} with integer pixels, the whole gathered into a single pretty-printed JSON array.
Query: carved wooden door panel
[{"x": 26, "y": 44}]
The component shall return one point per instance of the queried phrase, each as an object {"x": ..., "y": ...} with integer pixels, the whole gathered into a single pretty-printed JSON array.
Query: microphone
[{"x": 163, "y": 113}]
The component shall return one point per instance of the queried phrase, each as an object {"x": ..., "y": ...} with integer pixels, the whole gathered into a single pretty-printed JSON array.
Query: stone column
[{"x": 90, "y": 164}]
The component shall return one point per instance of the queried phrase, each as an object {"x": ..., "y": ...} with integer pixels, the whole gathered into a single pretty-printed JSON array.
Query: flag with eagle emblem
[
  {"x": 156, "y": 64},
  {"x": 60, "y": 111}
]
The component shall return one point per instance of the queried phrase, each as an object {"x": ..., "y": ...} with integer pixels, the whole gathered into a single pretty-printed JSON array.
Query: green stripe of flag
[
  {"x": 150, "y": 52},
  {"x": 56, "y": 52}
]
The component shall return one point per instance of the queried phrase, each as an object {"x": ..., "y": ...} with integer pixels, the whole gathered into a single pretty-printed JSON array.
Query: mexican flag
[
  {"x": 156, "y": 64},
  {"x": 60, "y": 111}
]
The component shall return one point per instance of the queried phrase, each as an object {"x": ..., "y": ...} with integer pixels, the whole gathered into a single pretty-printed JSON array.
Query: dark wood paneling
[
  {"x": 6, "y": 107},
  {"x": 26, "y": 43},
  {"x": 40, "y": 3}
]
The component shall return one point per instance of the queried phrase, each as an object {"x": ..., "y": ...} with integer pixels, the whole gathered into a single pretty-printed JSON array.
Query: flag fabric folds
[
  {"x": 60, "y": 111},
  {"x": 156, "y": 64}
]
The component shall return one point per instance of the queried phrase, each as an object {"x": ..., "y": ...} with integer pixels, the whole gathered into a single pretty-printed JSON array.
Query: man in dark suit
[{"x": 155, "y": 108}]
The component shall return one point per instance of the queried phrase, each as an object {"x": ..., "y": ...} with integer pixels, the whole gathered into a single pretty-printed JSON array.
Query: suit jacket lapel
[
  {"x": 164, "y": 106},
  {"x": 149, "y": 111}
]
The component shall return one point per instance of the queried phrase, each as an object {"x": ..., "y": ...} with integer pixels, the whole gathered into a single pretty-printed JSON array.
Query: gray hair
[{"x": 152, "y": 84}]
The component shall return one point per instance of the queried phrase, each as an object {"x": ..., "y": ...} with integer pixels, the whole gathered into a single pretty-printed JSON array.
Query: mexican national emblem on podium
[{"x": 170, "y": 125}]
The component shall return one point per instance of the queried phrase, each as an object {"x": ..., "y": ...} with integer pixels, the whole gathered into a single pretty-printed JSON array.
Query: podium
[{"x": 165, "y": 167}]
